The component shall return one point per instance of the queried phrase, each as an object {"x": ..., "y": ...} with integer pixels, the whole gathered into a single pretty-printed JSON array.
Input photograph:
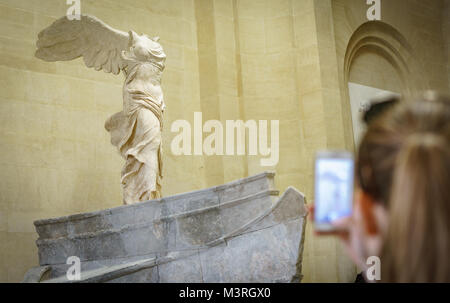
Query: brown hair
[{"x": 404, "y": 163}]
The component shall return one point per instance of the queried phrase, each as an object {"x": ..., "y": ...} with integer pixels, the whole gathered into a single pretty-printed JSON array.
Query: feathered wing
[{"x": 99, "y": 44}]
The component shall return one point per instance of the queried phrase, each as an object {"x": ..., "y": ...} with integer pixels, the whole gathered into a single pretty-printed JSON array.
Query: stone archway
[{"x": 384, "y": 40}]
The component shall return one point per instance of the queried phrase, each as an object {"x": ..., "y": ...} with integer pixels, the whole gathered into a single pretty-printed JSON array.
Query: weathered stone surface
[
  {"x": 137, "y": 271},
  {"x": 230, "y": 233},
  {"x": 36, "y": 274},
  {"x": 184, "y": 221},
  {"x": 259, "y": 256},
  {"x": 146, "y": 211},
  {"x": 183, "y": 270}
]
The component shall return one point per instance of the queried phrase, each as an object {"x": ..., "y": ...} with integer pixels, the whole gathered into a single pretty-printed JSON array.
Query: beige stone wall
[
  {"x": 265, "y": 64},
  {"x": 229, "y": 59},
  {"x": 382, "y": 73},
  {"x": 419, "y": 22},
  {"x": 56, "y": 158}
]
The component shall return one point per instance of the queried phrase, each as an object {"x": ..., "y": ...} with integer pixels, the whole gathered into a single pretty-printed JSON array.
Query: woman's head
[{"x": 403, "y": 167}]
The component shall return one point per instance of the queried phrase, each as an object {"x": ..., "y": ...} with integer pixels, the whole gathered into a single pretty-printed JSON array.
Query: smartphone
[{"x": 333, "y": 188}]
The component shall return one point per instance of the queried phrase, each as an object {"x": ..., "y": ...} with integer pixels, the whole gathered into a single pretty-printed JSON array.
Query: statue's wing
[{"x": 99, "y": 44}]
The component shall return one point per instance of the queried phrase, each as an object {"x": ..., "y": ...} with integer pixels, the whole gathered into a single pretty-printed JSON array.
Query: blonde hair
[{"x": 404, "y": 163}]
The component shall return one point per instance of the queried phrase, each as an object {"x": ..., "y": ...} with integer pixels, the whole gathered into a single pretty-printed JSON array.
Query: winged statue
[{"x": 136, "y": 130}]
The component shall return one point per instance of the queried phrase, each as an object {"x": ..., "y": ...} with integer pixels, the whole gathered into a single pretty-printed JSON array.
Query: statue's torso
[{"x": 142, "y": 86}]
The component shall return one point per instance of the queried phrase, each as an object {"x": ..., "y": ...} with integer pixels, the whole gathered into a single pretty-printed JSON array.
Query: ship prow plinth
[{"x": 237, "y": 232}]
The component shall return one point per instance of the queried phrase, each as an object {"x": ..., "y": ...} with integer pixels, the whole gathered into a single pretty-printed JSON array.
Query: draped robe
[{"x": 136, "y": 132}]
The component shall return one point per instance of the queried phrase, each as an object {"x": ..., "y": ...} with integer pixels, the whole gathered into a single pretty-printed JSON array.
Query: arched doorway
[{"x": 378, "y": 61}]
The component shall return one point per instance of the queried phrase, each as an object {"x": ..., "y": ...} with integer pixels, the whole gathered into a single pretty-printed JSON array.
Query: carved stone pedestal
[{"x": 236, "y": 232}]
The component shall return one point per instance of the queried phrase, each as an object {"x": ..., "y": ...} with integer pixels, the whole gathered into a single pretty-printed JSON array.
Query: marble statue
[{"x": 136, "y": 130}]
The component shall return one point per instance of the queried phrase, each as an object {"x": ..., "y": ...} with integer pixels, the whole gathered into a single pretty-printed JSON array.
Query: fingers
[
  {"x": 345, "y": 229},
  {"x": 311, "y": 211},
  {"x": 341, "y": 225}
]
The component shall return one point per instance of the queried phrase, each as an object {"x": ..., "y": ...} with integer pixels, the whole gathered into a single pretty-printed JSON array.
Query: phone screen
[{"x": 333, "y": 187}]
